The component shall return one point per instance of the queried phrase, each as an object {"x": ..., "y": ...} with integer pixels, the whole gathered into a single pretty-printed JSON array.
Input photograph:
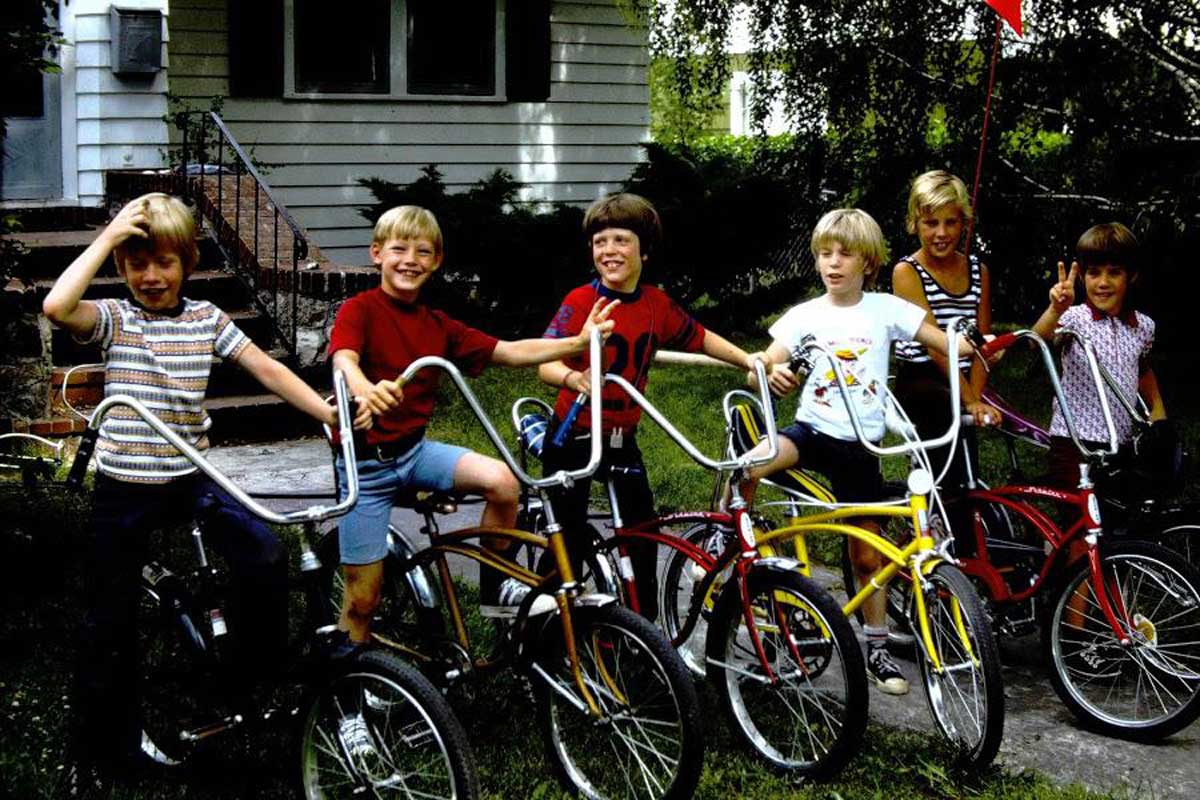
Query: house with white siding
[{"x": 326, "y": 93}]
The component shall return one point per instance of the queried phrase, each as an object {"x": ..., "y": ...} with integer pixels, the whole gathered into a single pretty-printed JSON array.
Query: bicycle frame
[{"x": 562, "y": 585}]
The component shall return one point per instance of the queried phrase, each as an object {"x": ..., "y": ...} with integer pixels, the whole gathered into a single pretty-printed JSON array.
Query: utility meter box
[{"x": 136, "y": 41}]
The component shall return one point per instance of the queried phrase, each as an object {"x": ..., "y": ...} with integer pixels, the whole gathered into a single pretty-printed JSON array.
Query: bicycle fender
[
  {"x": 776, "y": 564},
  {"x": 419, "y": 580}
]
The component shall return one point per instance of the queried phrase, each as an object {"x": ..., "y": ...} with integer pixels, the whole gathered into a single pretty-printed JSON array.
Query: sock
[{"x": 876, "y": 637}]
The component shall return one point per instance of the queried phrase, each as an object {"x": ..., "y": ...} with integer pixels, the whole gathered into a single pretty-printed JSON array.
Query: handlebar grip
[
  {"x": 1001, "y": 342},
  {"x": 560, "y": 435},
  {"x": 87, "y": 445}
]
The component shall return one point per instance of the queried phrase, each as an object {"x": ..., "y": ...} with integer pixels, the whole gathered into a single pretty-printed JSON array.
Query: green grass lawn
[{"x": 40, "y": 543}]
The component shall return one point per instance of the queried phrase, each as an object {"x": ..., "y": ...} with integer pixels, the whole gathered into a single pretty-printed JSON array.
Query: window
[
  {"x": 394, "y": 48},
  {"x": 338, "y": 52}
]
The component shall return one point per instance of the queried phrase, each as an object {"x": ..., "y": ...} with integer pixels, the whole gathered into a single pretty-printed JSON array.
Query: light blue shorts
[{"x": 363, "y": 532}]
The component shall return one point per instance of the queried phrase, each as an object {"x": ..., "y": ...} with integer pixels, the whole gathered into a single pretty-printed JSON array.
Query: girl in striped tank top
[{"x": 948, "y": 284}]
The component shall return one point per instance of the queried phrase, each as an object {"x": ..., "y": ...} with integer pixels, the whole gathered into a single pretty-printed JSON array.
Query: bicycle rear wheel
[
  {"x": 648, "y": 742},
  {"x": 810, "y": 719},
  {"x": 380, "y": 729},
  {"x": 964, "y": 689},
  {"x": 1150, "y": 688}
]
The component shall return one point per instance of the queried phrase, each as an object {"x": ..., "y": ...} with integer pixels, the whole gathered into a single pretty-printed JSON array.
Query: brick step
[
  {"x": 216, "y": 286},
  {"x": 86, "y": 386},
  {"x": 51, "y": 252},
  {"x": 66, "y": 351},
  {"x": 235, "y": 418}
]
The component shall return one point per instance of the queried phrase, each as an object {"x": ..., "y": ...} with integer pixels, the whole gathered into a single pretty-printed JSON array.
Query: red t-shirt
[
  {"x": 645, "y": 321},
  {"x": 388, "y": 335}
]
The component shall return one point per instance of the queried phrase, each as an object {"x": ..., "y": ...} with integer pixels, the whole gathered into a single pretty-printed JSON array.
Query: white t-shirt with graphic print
[{"x": 860, "y": 336}]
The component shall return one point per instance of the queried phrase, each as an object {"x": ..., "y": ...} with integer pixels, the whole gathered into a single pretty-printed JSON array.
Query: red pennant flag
[{"x": 1010, "y": 11}]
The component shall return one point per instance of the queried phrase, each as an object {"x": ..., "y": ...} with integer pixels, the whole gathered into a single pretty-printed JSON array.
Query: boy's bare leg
[
  {"x": 787, "y": 457},
  {"x": 360, "y": 599},
  {"x": 867, "y": 561},
  {"x": 490, "y": 477}
]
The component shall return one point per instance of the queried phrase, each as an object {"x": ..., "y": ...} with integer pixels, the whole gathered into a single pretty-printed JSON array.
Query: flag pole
[{"x": 987, "y": 109}]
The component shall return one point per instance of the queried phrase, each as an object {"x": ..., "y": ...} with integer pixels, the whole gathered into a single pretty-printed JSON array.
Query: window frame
[{"x": 398, "y": 60}]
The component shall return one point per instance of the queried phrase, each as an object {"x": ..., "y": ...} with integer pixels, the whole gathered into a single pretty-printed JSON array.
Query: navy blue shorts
[{"x": 853, "y": 472}]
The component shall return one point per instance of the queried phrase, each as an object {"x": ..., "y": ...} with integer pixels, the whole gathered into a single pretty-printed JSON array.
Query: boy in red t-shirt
[
  {"x": 623, "y": 231},
  {"x": 377, "y": 334}
]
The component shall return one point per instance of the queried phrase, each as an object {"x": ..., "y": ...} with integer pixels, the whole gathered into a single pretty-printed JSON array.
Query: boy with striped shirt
[{"x": 158, "y": 347}]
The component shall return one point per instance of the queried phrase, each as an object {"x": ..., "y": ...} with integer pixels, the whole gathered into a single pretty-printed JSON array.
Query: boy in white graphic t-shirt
[{"x": 858, "y": 328}]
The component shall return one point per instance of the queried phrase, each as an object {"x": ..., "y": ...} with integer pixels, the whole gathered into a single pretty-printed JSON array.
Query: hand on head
[
  {"x": 1062, "y": 294},
  {"x": 132, "y": 220}
]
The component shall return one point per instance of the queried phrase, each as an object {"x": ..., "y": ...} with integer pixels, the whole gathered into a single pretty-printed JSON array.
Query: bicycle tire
[
  {"x": 636, "y": 678},
  {"x": 968, "y": 711},
  {"x": 676, "y": 589},
  {"x": 413, "y": 744},
  {"x": 828, "y": 701},
  {"x": 1145, "y": 691},
  {"x": 172, "y": 693}
]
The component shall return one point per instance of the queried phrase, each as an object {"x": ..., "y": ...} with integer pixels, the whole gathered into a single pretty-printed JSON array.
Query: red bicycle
[{"x": 1119, "y": 618}]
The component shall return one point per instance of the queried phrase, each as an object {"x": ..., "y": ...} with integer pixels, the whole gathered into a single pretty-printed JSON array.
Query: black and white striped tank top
[{"x": 945, "y": 306}]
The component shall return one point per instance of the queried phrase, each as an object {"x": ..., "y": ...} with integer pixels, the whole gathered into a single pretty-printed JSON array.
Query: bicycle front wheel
[
  {"x": 808, "y": 714},
  {"x": 381, "y": 729},
  {"x": 1145, "y": 690},
  {"x": 682, "y": 577},
  {"x": 646, "y": 741},
  {"x": 962, "y": 672}
]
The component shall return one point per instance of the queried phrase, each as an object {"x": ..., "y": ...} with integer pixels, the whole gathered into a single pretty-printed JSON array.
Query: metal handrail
[
  {"x": 314, "y": 513},
  {"x": 233, "y": 249},
  {"x": 560, "y": 478}
]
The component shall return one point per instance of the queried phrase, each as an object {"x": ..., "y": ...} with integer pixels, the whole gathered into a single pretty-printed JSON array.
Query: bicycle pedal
[{"x": 211, "y": 729}]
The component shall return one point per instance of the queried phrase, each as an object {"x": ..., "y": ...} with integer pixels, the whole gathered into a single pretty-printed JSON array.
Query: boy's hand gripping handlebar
[
  {"x": 560, "y": 478},
  {"x": 739, "y": 462},
  {"x": 310, "y": 514},
  {"x": 1094, "y": 369}
]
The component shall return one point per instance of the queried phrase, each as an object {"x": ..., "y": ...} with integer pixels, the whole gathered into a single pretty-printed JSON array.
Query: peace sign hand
[{"x": 1062, "y": 294}]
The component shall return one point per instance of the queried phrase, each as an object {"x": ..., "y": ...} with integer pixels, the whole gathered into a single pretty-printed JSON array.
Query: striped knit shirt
[
  {"x": 945, "y": 307},
  {"x": 164, "y": 362}
]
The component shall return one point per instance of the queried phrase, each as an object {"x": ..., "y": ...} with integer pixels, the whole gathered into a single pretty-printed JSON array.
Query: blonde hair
[
  {"x": 933, "y": 190},
  {"x": 170, "y": 225},
  {"x": 408, "y": 222},
  {"x": 859, "y": 233}
]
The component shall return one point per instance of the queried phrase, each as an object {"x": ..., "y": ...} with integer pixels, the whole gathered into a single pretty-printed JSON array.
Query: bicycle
[
  {"x": 368, "y": 722},
  {"x": 617, "y": 710},
  {"x": 787, "y": 668},
  {"x": 955, "y": 647},
  {"x": 1119, "y": 628}
]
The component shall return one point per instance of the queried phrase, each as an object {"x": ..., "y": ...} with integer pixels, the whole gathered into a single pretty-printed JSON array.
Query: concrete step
[
  {"x": 51, "y": 252},
  {"x": 59, "y": 218}
]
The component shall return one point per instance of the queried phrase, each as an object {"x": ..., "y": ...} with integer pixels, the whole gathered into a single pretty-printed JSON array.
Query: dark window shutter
[
  {"x": 527, "y": 50},
  {"x": 255, "y": 48}
]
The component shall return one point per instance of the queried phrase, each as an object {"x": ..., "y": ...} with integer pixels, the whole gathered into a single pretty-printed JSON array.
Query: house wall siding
[
  {"x": 582, "y": 142},
  {"x": 113, "y": 122}
]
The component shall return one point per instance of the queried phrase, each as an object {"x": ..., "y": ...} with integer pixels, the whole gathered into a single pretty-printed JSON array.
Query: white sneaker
[{"x": 512, "y": 593}]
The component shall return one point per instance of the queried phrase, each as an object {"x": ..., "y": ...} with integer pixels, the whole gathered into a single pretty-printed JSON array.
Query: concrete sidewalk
[{"x": 1040, "y": 733}]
